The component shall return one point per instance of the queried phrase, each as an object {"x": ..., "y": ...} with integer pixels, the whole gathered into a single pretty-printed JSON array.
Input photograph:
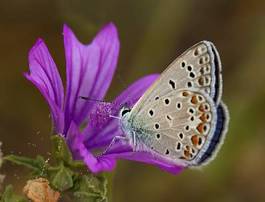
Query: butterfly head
[
  {"x": 124, "y": 112},
  {"x": 124, "y": 118}
]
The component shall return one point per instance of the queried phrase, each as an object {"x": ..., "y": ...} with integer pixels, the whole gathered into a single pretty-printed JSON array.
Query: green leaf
[
  {"x": 91, "y": 188},
  {"x": 87, "y": 197},
  {"x": 10, "y": 196},
  {"x": 77, "y": 164},
  {"x": 60, "y": 149},
  {"x": 62, "y": 179},
  {"x": 38, "y": 165}
]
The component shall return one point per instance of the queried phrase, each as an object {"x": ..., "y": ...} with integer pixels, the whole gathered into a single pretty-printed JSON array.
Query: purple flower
[{"x": 86, "y": 124}]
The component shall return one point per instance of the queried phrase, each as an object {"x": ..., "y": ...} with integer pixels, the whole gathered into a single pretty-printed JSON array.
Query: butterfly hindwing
[{"x": 178, "y": 125}]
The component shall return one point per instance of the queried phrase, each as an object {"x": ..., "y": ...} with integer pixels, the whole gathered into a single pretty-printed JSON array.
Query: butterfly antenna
[
  {"x": 124, "y": 86},
  {"x": 91, "y": 99}
]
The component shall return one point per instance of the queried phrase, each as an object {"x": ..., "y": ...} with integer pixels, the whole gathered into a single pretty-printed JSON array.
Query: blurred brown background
[{"x": 152, "y": 34}]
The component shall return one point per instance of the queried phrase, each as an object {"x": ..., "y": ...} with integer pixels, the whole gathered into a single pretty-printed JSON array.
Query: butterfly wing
[
  {"x": 191, "y": 82},
  {"x": 178, "y": 126},
  {"x": 197, "y": 68}
]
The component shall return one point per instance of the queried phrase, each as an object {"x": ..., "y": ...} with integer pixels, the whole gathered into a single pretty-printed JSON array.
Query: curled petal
[
  {"x": 44, "y": 75},
  {"x": 102, "y": 136},
  {"x": 121, "y": 149},
  {"x": 151, "y": 159},
  {"x": 80, "y": 152},
  {"x": 89, "y": 71}
]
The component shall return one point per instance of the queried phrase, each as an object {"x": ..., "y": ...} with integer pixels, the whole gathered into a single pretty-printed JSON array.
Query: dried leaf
[{"x": 38, "y": 190}]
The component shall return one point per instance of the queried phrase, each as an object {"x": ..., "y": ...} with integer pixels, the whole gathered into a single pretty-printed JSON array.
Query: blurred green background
[{"x": 152, "y": 34}]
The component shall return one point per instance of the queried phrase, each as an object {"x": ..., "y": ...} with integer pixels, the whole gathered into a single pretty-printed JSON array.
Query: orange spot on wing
[
  {"x": 201, "y": 108},
  {"x": 203, "y": 117},
  {"x": 200, "y": 128},
  {"x": 195, "y": 140},
  {"x": 185, "y": 93},
  {"x": 194, "y": 100}
]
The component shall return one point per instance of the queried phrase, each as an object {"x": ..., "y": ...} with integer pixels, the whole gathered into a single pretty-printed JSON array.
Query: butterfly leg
[{"x": 122, "y": 139}]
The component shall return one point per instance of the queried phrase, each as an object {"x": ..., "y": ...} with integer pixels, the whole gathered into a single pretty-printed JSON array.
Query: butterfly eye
[{"x": 125, "y": 111}]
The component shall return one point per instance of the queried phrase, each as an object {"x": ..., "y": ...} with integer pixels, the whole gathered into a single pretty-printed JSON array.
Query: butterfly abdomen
[{"x": 219, "y": 135}]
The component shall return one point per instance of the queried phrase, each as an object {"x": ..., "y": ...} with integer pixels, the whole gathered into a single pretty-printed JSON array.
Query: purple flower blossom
[{"x": 86, "y": 125}]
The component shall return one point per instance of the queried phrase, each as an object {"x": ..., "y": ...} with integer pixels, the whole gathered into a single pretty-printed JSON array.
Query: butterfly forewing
[{"x": 194, "y": 69}]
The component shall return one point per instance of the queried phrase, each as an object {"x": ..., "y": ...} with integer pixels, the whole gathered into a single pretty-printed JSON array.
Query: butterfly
[{"x": 181, "y": 117}]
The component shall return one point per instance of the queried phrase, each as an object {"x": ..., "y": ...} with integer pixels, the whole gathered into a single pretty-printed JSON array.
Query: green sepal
[
  {"x": 10, "y": 196},
  {"x": 91, "y": 188},
  {"x": 37, "y": 165},
  {"x": 62, "y": 178},
  {"x": 60, "y": 149}
]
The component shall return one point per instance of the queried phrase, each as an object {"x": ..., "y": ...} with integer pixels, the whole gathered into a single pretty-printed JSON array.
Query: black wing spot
[
  {"x": 191, "y": 110},
  {"x": 201, "y": 60},
  {"x": 178, "y": 147},
  {"x": 172, "y": 84},
  {"x": 167, "y": 101},
  {"x": 196, "y": 52},
  {"x": 183, "y": 64},
  {"x": 205, "y": 127},
  {"x": 189, "y": 84},
  {"x": 151, "y": 112},
  {"x": 181, "y": 135},
  {"x": 158, "y": 136},
  {"x": 179, "y": 105},
  {"x": 192, "y": 75},
  {"x": 157, "y": 126},
  {"x": 169, "y": 117}
]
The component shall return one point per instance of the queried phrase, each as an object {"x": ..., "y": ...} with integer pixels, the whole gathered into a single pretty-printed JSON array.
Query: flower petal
[
  {"x": 108, "y": 41},
  {"x": 82, "y": 65},
  {"x": 89, "y": 70},
  {"x": 149, "y": 158},
  {"x": 80, "y": 152},
  {"x": 44, "y": 75},
  {"x": 122, "y": 150},
  {"x": 102, "y": 136}
]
